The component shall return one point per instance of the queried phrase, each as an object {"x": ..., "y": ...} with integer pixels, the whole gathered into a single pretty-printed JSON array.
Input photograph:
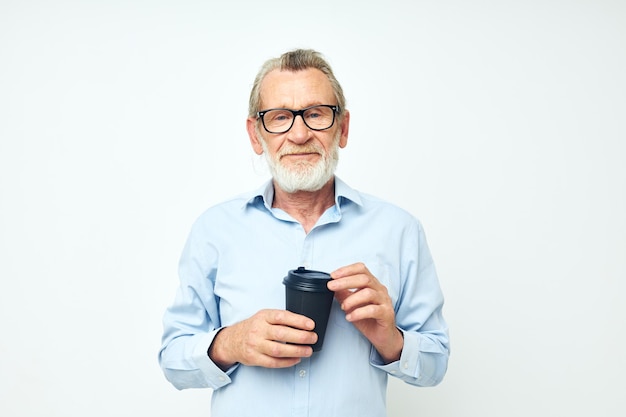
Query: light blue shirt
[{"x": 233, "y": 264}]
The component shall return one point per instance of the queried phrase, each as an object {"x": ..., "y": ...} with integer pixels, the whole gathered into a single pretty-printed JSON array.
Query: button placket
[{"x": 302, "y": 400}]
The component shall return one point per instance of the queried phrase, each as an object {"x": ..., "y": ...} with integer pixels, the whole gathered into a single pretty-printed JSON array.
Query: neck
[{"x": 305, "y": 206}]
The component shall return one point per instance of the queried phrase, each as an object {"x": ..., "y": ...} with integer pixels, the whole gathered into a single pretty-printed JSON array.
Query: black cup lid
[{"x": 307, "y": 280}]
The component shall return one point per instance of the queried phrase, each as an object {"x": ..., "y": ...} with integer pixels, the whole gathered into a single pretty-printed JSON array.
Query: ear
[
  {"x": 254, "y": 140},
  {"x": 345, "y": 128}
]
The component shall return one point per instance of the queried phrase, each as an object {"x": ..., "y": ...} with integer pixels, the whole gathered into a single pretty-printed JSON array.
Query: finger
[
  {"x": 290, "y": 335},
  {"x": 382, "y": 314},
  {"x": 289, "y": 319},
  {"x": 369, "y": 311},
  {"x": 353, "y": 269},
  {"x": 342, "y": 295},
  {"x": 270, "y": 362},
  {"x": 360, "y": 298},
  {"x": 353, "y": 282},
  {"x": 277, "y": 349},
  {"x": 284, "y": 356}
]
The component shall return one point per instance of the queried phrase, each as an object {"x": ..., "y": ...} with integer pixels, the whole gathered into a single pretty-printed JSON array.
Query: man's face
[{"x": 300, "y": 159}]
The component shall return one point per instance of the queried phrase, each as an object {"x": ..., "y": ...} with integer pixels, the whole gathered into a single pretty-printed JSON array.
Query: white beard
[{"x": 304, "y": 175}]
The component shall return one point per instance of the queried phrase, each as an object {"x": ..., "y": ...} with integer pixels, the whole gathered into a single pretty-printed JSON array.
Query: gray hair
[{"x": 296, "y": 60}]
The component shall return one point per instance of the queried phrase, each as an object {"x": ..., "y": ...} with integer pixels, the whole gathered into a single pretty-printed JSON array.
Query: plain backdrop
[{"x": 499, "y": 124}]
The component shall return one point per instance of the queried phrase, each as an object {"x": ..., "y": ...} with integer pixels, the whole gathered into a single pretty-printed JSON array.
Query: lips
[
  {"x": 300, "y": 153},
  {"x": 300, "y": 157}
]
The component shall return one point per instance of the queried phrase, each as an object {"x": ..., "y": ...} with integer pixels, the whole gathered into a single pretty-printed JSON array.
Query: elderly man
[{"x": 228, "y": 329}]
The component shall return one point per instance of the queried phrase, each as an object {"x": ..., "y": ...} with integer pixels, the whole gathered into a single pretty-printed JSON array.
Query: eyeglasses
[{"x": 320, "y": 117}]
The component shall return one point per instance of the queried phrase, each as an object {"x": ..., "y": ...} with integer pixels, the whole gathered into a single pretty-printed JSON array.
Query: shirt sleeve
[
  {"x": 425, "y": 353},
  {"x": 191, "y": 322},
  {"x": 415, "y": 367}
]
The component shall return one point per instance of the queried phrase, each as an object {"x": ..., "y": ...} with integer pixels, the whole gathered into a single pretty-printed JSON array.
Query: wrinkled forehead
[{"x": 296, "y": 89}]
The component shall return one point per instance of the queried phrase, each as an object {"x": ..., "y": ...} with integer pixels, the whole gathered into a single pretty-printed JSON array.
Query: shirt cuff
[
  {"x": 408, "y": 362},
  {"x": 215, "y": 377}
]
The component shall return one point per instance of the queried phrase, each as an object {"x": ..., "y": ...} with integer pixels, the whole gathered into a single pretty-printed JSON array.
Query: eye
[
  {"x": 316, "y": 112},
  {"x": 278, "y": 116}
]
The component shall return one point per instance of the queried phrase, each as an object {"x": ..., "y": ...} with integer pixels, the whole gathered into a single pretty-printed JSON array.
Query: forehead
[{"x": 296, "y": 89}]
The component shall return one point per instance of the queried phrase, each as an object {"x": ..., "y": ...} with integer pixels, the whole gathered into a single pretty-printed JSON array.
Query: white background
[{"x": 500, "y": 124}]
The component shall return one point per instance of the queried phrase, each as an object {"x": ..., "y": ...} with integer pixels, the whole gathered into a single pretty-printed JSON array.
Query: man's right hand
[{"x": 270, "y": 338}]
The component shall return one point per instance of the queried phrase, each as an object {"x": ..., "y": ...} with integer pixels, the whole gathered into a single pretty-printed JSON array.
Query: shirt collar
[
  {"x": 344, "y": 192},
  {"x": 265, "y": 194}
]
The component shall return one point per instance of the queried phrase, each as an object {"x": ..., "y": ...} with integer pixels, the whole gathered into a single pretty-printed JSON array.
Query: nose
[{"x": 299, "y": 132}]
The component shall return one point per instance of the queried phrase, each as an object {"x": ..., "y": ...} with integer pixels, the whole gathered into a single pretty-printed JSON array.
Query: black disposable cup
[{"x": 306, "y": 293}]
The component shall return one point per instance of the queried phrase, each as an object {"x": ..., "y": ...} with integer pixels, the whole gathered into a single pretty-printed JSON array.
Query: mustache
[{"x": 290, "y": 150}]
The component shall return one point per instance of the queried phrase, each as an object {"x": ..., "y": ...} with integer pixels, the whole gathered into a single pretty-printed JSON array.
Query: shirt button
[
  {"x": 406, "y": 365},
  {"x": 302, "y": 373}
]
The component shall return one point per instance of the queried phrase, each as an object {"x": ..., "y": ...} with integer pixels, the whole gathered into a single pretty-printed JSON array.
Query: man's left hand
[{"x": 368, "y": 307}]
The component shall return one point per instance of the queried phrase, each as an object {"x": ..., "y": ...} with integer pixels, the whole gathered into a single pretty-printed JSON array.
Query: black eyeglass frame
[{"x": 300, "y": 113}]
